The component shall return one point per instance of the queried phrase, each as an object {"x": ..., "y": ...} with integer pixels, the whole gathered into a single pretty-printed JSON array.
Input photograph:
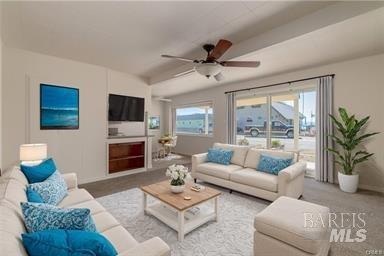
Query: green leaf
[
  {"x": 362, "y": 137},
  {"x": 338, "y": 140},
  {"x": 344, "y": 115},
  {"x": 336, "y": 153},
  {"x": 339, "y": 125}
]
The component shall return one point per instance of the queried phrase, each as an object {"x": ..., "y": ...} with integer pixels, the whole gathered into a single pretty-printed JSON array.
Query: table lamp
[{"x": 32, "y": 154}]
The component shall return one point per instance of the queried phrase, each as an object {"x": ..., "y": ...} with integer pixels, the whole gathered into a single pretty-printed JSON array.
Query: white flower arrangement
[{"x": 178, "y": 174}]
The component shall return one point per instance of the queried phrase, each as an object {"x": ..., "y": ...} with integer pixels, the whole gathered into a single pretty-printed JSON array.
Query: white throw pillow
[{"x": 239, "y": 152}]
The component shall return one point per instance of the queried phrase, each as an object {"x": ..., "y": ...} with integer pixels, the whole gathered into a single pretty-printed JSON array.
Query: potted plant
[
  {"x": 276, "y": 144},
  {"x": 178, "y": 175},
  {"x": 351, "y": 136}
]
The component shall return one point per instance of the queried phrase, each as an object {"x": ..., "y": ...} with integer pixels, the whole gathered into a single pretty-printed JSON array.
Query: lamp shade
[{"x": 33, "y": 152}]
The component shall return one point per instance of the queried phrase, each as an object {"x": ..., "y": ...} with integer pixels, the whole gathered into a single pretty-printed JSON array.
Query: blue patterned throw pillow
[
  {"x": 273, "y": 165},
  {"x": 40, "y": 217},
  {"x": 219, "y": 156},
  {"x": 40, "y": 172},
  {"x": 67, "y": 242},
  {"x": 52, "y": 190}
]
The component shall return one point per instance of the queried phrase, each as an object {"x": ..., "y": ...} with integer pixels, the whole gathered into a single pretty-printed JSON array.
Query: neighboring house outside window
[{"x": 194, "y": 119}]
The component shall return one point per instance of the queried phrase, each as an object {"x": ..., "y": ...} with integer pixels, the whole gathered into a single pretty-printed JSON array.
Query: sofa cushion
[
  {"x": 16, "y": 174},
  {"x": 239, "y": 152},
  {"x": 94, "y": 206},
  {"x": 219, "y": 156},
  {"x": 284, "y": 220},
  {"x": 218, "y": 170},
  {"x": 11, "y": 221},
  {"x": 253, "y": 178},
  {"x": 39, "y": 172},
  {"x": 104, "y": 221},
  {"x": 11, "y": 245},
  {"x": 39, "y": 217},
  {"x": 75, "y": 196},
  {"x": 13, "y": 192},
  {"x": 120, "y": 238},
  {"x": 67, "y": 242},
  {"x": 253, "y": 156},
  {"x": 52, "y": 190}
]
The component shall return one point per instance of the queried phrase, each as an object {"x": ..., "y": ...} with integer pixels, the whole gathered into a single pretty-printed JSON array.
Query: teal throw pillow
[
  {"x": 33, "y": 197},
  {"x": 272, "y": 164},
  {"x": 40, "y": 172},
  {"x": 67, "y": 243},
  {"x": 40, "y": 217},
  {"x": 219, "y": 156},
  {"x": 52, "y": 190}
]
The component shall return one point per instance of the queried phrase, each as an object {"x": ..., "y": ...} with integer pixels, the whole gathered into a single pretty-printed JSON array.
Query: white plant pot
[
  {"x": 177, "y": 189},
  {"x": 348, "y": 183}
]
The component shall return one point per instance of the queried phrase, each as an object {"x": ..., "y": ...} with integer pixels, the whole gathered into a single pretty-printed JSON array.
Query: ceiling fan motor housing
[{"x": 208, "y": 69}]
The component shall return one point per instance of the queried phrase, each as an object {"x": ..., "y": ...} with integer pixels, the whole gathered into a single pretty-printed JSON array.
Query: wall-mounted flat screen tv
[
  {"x": 125, "y": 108},
  {"x": 59, "y": 107}
]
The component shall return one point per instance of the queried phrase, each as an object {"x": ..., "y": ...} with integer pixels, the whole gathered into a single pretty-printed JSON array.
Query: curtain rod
[{"x": 288, "y": 82}]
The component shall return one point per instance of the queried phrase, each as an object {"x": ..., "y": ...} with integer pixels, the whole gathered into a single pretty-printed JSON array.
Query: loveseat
[
  {"x": 241, "y": 174},
  {"x": 13, "y": 185}
]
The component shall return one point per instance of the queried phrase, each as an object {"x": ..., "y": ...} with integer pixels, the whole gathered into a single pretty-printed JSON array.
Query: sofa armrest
[
  {"x": 70, "y": 179},
  {"x": 152, "y": 247},
  {"x": 198, "y": 159},
  {"x": 290, "y": 181}
]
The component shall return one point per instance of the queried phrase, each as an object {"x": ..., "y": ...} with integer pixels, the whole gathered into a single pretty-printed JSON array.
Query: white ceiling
[
  {"x": 131, "y": 36},
  {"x": 360, "y": 36}
]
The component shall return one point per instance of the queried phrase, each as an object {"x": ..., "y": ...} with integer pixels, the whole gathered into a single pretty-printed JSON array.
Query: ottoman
[{"x": 292, "y": 227}]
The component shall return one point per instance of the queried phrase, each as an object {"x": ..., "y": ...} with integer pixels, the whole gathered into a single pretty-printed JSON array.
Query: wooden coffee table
[{"x": 171, "y": 208}]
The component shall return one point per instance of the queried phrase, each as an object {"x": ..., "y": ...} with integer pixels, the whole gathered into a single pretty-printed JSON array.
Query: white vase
[
  {"x": 177, "y": 189},
  {"x": 348, "y": 183}
]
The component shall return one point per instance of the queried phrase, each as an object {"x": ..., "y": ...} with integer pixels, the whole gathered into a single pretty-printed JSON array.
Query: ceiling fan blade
[
  {"x": 219, "y": 77},
  {"x": 175, "y": 57},
  {"x": 185, "y": 73},
  {"x": 243, "y": 64},
  {"x": 221, "y": 47}
]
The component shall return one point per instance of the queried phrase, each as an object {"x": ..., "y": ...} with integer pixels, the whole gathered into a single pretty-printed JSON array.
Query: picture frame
[
  {"x": 154, "y": 122},
  {"x": 59, "y": 107}
]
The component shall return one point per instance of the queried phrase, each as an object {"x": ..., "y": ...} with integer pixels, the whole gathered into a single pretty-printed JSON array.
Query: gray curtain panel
[
  {"x": 324, "y": 127},
  {"x": 231, "y": 121}
]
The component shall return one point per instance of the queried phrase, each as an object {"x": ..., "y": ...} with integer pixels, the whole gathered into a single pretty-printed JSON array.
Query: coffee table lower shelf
[{"x": 178, "y": 220}]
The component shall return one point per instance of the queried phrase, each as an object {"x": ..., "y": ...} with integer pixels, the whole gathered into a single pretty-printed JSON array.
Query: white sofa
[
  {"x": 241, "y": 174},
  {"x": 12, "y": 191}
]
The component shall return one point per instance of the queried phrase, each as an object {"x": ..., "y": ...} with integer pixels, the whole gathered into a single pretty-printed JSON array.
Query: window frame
[{"x": 191, "y": 105}]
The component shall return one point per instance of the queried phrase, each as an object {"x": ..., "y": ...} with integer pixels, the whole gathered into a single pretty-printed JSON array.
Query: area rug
[{"x": 232, "y": 235}]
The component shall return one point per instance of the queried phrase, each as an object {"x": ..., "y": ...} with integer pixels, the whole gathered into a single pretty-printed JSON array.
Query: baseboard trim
[
  {"x": 111, "y": 176},
  {"x": 372, "y": 188}
]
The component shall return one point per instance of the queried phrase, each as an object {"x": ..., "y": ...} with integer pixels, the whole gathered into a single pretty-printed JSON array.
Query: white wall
[
  {"x": 83, "y": 150},
  {"x": 157, "y": 110},
  {"x": 1, "y": 103},
  {"x": 359, "y": 86}
]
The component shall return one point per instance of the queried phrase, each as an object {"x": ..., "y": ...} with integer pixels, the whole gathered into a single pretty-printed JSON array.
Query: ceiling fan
[{"x": 211, "y": 66}]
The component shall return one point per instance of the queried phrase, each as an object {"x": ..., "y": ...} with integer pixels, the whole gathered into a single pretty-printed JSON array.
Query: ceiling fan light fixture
[{"x": 208, "y": 69}]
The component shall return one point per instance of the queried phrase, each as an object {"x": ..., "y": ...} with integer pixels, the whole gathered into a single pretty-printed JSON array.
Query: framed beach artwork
[
  {"x": 154, "y": 122},
  {"x": 59, "y": 107}
]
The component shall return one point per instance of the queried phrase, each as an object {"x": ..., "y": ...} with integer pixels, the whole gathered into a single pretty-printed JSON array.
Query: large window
[
  {"x": 281, "y": 121},
  {"x": 196, "y": 119}
]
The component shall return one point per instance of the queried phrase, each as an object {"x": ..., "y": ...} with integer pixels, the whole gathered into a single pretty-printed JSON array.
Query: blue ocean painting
[{"x": 59, "y": 108}]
